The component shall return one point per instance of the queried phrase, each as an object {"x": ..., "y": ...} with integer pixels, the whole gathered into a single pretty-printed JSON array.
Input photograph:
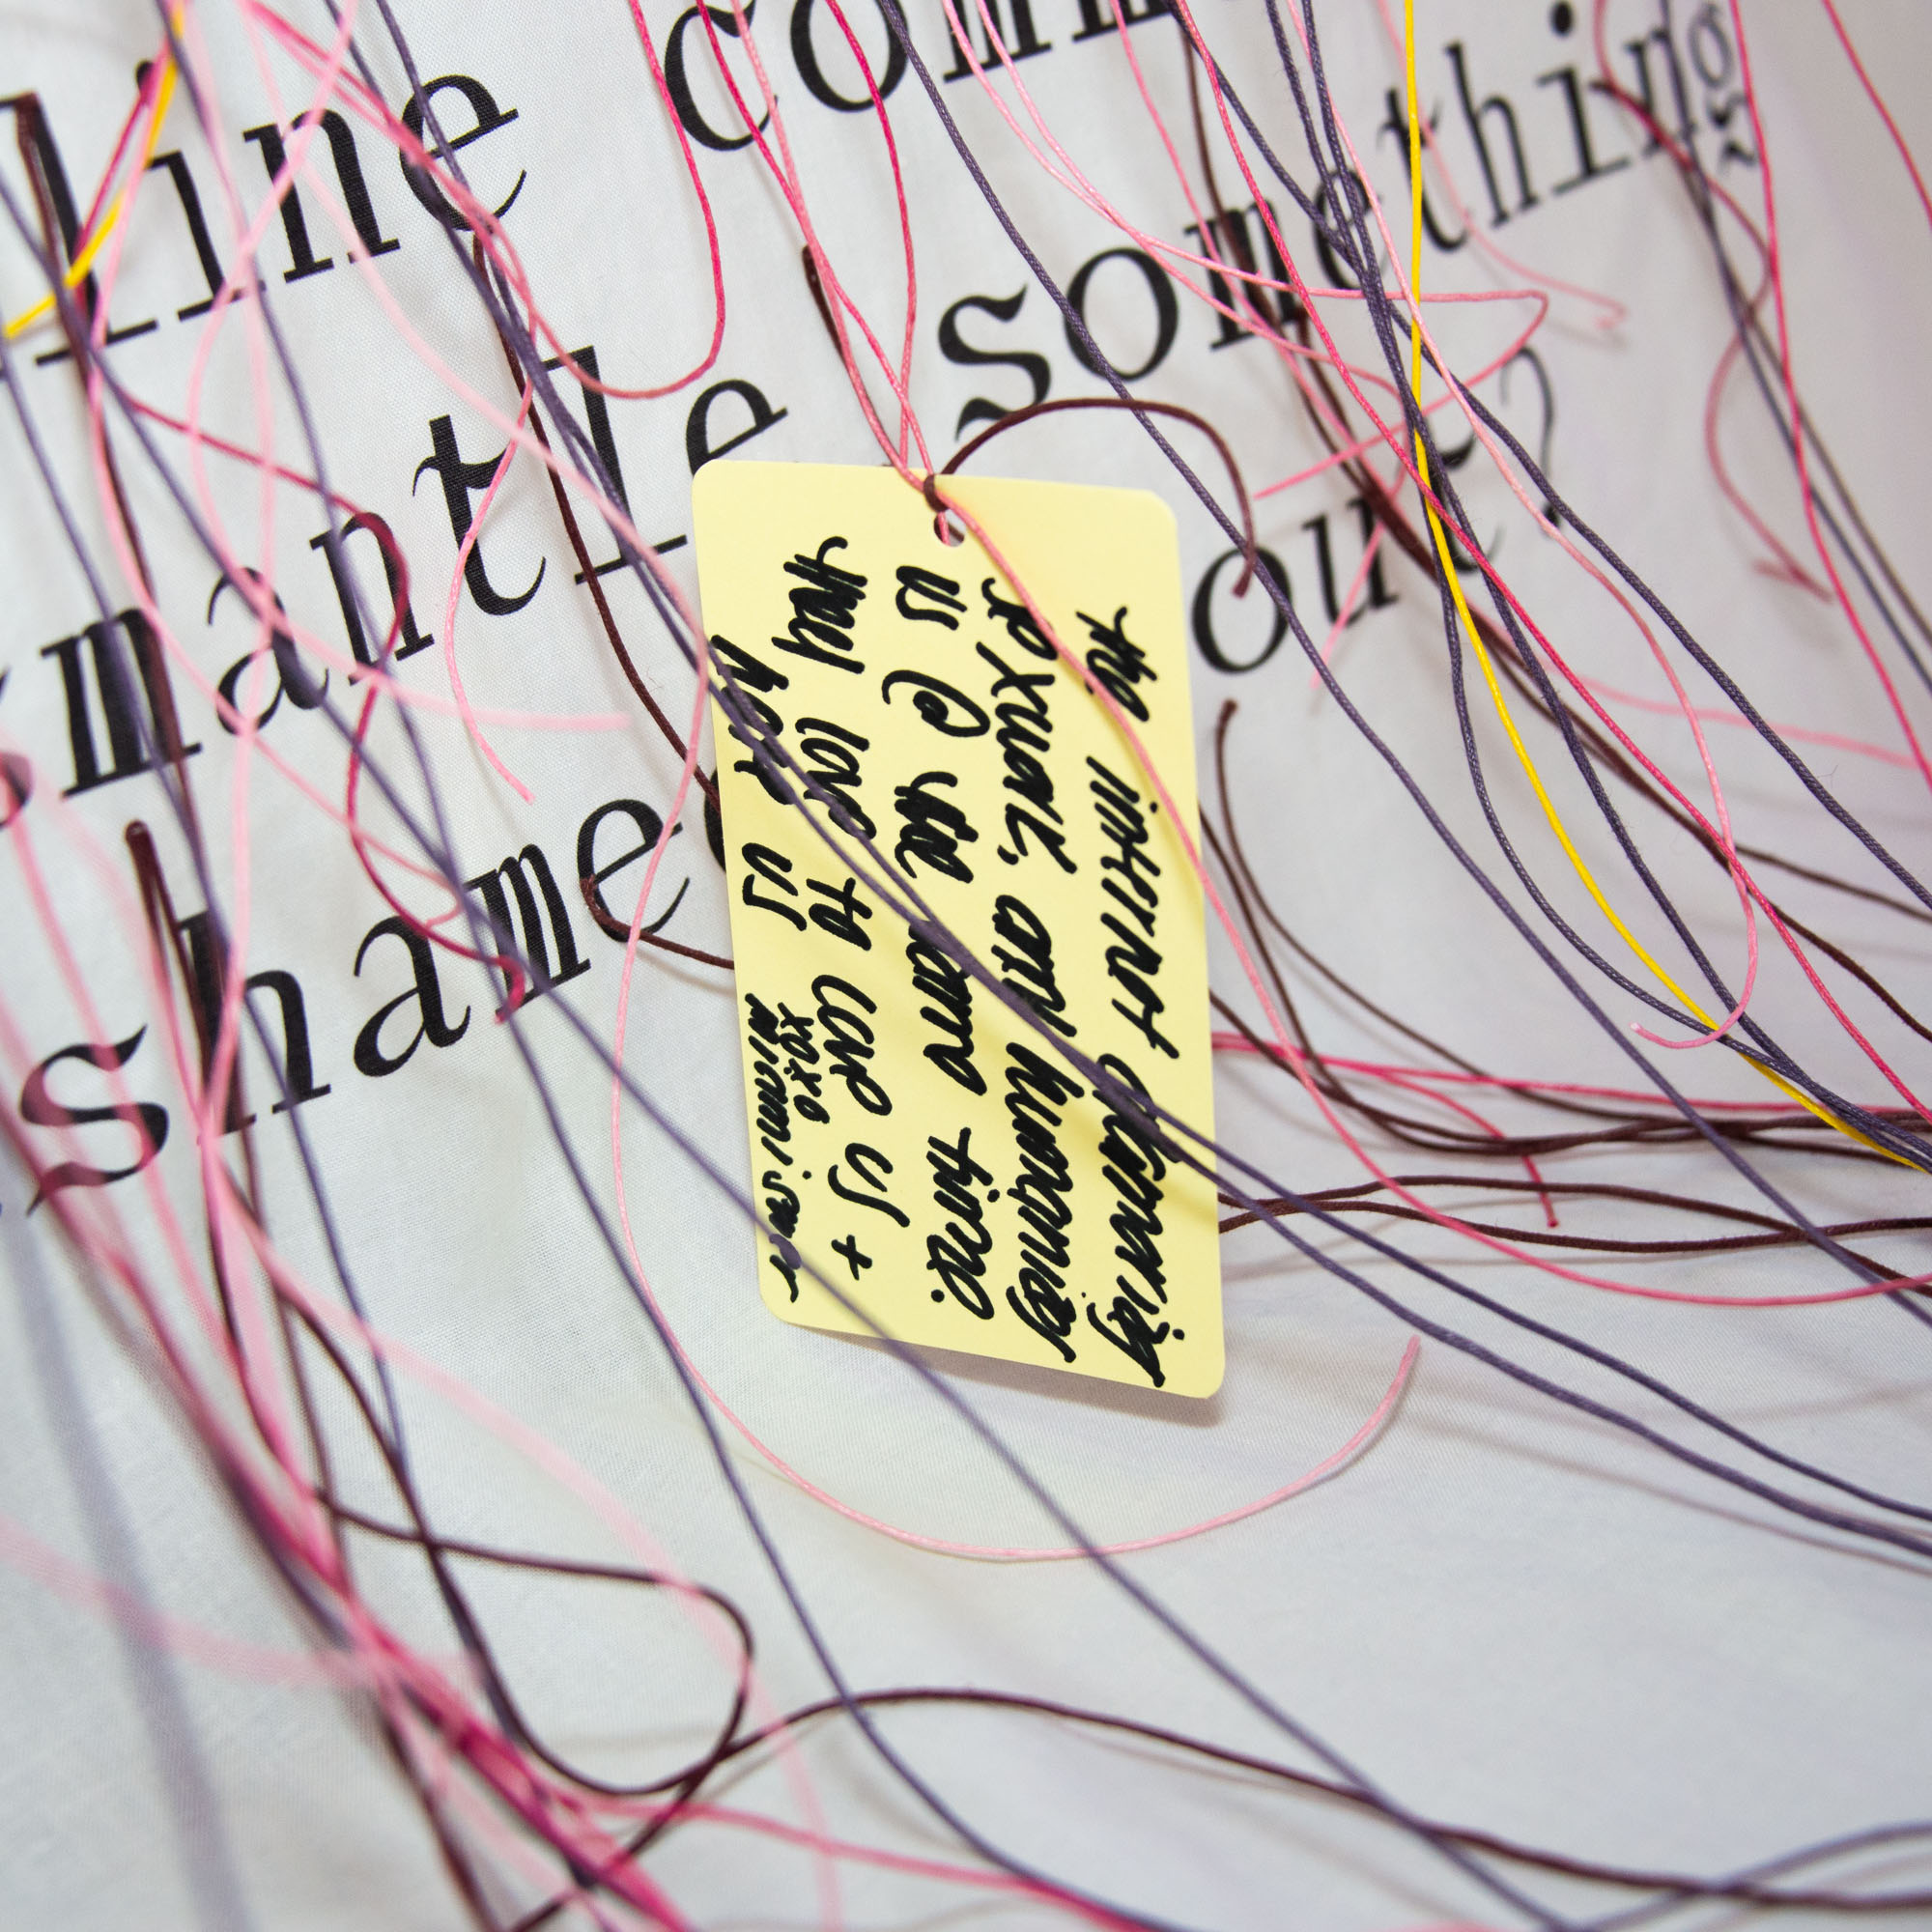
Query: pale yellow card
[{"x": 911, "y": 1137}]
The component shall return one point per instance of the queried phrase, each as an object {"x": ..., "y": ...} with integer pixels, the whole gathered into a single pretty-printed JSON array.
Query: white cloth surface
[{"x": 1508, "y": 1614}]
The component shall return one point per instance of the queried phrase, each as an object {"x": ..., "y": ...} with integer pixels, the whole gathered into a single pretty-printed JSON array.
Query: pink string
[
  {"x": 1345, "y": 615},
  {"x": 1799, "y": 436},
  {"x": 1333, "y": 1120},
  {"x": 206, "y": 1104},
  {"x": 783, "y": 171},
  {"x": 463, "y": 553},
  {"x": 937, "y": 1545},
  {"x": 1610, "y": 313},
  {"x": 1239, "y": 1042},
  {"x": 1883, "y": 112},
  {"x": 452, "y": 1732},
  {"x": 1721, "y": 832},
  {"x": 1783, "y": 566},
  {"x": 74, "y": 1583},
  {"x": 1835, "y": 741}
]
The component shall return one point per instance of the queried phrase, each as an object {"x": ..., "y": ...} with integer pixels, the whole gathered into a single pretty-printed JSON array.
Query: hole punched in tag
[{"x": 944, "y": 527}]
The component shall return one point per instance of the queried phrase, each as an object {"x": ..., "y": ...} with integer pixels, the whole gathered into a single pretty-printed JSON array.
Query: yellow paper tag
[{"x": 911, "y": 1137}]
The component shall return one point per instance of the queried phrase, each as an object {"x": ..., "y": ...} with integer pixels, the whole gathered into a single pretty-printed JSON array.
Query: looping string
[
  {"x": 552, "y": 1827},
  {"x": 1015, "y": 417}
]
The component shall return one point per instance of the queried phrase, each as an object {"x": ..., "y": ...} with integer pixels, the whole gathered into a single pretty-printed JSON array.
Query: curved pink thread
[
  {"x": 1883, "y": 112},
  {"x": 1799, "y": 434},
  {"x": 74, "y": 1583},
  {"x": 901, "y": 459},
  {"x": 1345, "y": 612},
  {"x": 205, "y": 1108},
  {"x": 1610, "y": 311},
  {"x": 1783, "y": 566},
  {"x": 1395, "y": 443},
  {"x": 939, "y": 1545},
  {"x": 1835, "y": 741},
  {"x": 785, "y": 172},
  {"x": 449, "y": 609},
  {"x": 1239, "y": 1042},
  {"x": 1069, "y": 176},
  {"x": 1721, "y": 832}
]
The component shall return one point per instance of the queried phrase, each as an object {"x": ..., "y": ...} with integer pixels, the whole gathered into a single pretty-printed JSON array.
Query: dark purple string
[{"x": 564, "y": 419}]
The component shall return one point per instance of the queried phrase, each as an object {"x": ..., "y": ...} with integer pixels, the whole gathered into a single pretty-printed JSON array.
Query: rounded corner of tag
[
  {"x": 1160, "y": 510},
  {"x": 1204, "y": 1381},
  {"x": 707, "y": 483},
  {"x": 772, "y": 1292}
]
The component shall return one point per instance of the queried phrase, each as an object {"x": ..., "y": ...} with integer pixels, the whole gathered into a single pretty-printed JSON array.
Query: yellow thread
[
  {"x": 1474, "y": 636},
  {"x": 78, "y": 270}
]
